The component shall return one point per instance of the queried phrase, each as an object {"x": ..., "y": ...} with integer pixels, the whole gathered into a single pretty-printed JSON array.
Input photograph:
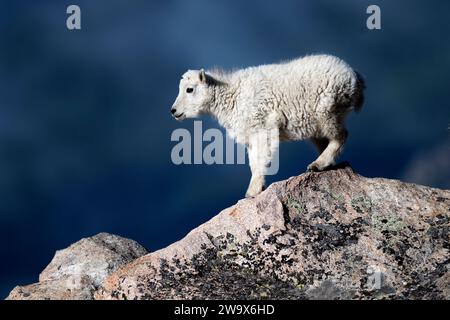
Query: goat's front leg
[
  {"x": 257, "y": 181},
  {"x": 261, "y": 149}
]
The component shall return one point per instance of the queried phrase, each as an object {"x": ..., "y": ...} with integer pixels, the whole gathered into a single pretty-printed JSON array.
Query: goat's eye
[{"x": 189, "y": 90}]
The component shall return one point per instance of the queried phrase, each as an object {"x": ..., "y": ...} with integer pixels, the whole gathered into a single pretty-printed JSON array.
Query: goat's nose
[{"x": 173, "y": 110}]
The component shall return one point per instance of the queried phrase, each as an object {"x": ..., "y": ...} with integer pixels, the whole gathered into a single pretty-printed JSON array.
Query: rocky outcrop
[
  {"x": 77, "y": 271},
  {"x": 326, "y": 235}
]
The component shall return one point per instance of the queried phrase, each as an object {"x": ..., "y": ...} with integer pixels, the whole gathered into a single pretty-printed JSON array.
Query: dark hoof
[
  {"x": 313, "y": 168},
  {"x": 342, "y": 165}
]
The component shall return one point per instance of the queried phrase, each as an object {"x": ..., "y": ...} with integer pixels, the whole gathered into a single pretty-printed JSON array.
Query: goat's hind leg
[
  {"x": 320, "y": 143},
  {"x": 331, "y": 151}
]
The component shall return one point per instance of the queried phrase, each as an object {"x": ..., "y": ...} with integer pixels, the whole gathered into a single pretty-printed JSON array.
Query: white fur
[{"x": 306, "y": 98}]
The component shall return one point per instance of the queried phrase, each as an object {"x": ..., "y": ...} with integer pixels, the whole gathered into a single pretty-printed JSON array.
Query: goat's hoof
[
  {"x": 249, "y": 194},
  {"x": 254, "y": 193},
  {"x": 313, "y": 167}
]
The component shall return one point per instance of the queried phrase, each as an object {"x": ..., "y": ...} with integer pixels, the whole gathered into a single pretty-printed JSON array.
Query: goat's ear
[{"x": 202, "y": 76}]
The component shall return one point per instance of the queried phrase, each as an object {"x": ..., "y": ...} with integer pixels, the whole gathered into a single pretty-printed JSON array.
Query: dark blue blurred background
[{"x": 85, "y": 124}]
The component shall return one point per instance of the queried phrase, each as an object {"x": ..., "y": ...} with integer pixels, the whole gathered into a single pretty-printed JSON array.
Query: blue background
[{"x": 85, "y": 124}]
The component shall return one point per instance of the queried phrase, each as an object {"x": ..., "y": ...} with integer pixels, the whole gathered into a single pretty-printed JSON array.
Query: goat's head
[{"x": 194, "y": 95}]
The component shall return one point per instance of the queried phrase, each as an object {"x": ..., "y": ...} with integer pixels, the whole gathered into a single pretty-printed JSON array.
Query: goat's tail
[{"x": 359, "y": 92}]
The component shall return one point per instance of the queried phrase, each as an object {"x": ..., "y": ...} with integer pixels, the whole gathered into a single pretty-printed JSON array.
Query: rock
[
  {"x": 77, "y": 271},
  {"x": 326, "y": 235}
]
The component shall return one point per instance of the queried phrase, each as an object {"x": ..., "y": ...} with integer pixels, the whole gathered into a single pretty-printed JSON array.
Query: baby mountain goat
[{"x": 306, "y": 98}]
